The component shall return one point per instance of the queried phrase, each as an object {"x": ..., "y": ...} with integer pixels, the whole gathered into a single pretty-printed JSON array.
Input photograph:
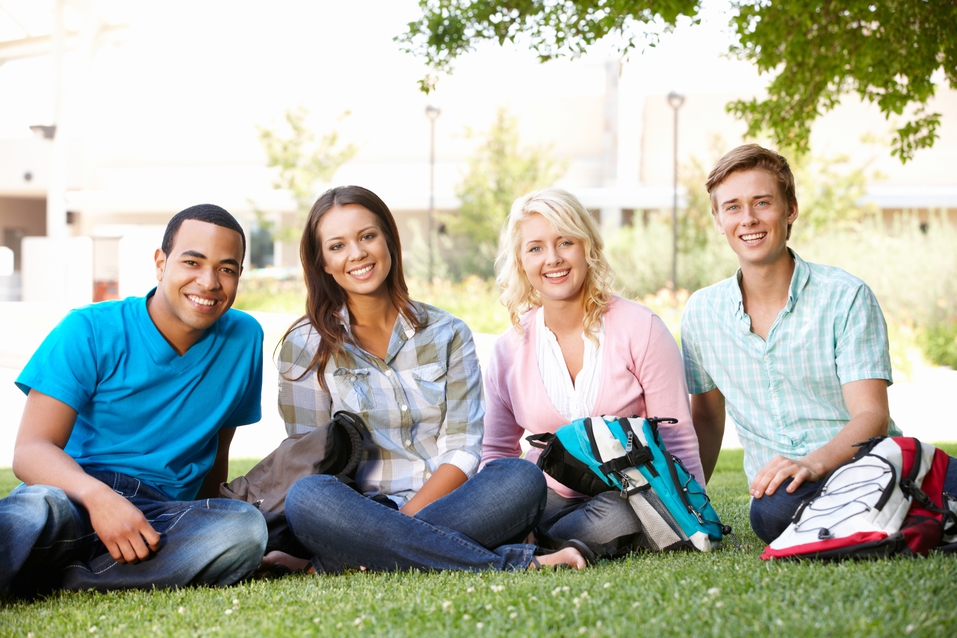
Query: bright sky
[{"x": 196, "y": 77}]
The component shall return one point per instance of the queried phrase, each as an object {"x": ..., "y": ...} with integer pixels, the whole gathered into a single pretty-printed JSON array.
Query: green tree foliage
[
  {"x": 814, "y": 51},
  {"x": 818, "y": 50},
  {"x": 552, "y": 28},
  {"x": 499, "y": 172},
  {"x": 303, "y": 163}
]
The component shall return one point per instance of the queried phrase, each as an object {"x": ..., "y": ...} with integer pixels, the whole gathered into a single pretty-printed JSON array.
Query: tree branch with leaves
[
  {"x": 302, "y": 162},
  {"x": 814, "y": 51},
  {"x": 819, "y": 50},
  {"x": 449, "y": 29}
]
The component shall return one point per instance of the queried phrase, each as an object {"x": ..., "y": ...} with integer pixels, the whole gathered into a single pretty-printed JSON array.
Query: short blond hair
[{"x": 567, "y": 217}]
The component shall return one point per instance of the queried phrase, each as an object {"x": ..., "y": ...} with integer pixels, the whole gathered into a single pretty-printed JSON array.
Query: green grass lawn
[{"x": 730, "y": 592}]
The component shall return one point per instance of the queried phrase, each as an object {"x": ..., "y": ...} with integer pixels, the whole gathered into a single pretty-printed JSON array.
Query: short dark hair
[{"x": 209, "y": 213}]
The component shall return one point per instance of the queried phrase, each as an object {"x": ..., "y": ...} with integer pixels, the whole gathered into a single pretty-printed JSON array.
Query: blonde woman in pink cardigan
[{"x": 576, "y": 350}]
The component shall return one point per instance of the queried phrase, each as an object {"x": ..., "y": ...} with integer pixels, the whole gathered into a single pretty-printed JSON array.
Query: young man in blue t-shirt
[
  {"x": 797, "y": 353},
  {"x": 131, "y": 407}
]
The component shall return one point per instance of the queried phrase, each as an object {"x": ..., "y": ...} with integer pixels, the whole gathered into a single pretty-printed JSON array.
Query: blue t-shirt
[{"x": 142, "y": 409}]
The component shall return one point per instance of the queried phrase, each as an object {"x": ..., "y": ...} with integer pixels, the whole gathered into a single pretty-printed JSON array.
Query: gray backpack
[{"x": 335, "y": 447}]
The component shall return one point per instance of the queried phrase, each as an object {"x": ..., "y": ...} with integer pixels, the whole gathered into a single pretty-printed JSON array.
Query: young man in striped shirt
[{"x": 796, "y": 353}]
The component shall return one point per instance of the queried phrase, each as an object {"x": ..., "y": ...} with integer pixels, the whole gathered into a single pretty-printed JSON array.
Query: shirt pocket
[
  {"x": 430, "y": 382},
  {"x": 355, "y": 389}
]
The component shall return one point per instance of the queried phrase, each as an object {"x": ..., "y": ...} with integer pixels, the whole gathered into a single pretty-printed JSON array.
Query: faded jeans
[
  {"x": 478, "y": 526},
  {"x": 599, "y": 520},
  {"x": 48, "y": 542}
]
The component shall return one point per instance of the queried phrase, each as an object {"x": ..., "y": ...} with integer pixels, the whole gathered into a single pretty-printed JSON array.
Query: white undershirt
[{"x": 572, "y": 400}]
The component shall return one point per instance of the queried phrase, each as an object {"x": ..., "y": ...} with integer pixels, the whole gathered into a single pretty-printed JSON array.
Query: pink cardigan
[{"x": 641, "y": 374}]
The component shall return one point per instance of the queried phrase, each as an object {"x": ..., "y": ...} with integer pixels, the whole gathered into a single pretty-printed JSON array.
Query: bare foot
[
  {"x": 292, "y": 563},
  {"x": 568, "y": 556}
]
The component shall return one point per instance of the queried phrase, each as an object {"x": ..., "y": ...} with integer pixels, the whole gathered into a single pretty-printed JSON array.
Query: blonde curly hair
[{"x": 568, "y": 218}]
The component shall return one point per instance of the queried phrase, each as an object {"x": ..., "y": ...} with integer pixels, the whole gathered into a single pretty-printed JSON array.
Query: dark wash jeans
[
  {"x": 770, "y": 515},
  {"x": 478, "y": 526},
  {"x": 47, "y": 542}
]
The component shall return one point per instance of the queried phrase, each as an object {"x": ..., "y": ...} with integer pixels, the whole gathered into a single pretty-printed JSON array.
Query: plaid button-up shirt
[
  {"x": 784, "y": 394},
  {"x": 423, "y": 403}
]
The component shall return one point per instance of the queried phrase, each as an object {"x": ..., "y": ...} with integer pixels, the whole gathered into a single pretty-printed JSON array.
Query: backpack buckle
[{"x": 625, "y": 483}]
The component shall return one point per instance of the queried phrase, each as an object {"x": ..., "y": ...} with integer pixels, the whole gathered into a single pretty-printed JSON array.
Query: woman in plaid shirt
[{"x": 410, "y": 370}]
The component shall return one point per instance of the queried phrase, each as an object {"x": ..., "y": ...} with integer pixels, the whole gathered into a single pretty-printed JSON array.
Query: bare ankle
[
  {"x": 286, "y": 560},
  {"x": 568, "y": 556}
]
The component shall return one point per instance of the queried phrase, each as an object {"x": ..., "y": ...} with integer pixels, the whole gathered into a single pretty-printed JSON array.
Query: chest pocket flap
[
  {"x": 430, "y": 379},
  {"x": 355, "y": 389}
]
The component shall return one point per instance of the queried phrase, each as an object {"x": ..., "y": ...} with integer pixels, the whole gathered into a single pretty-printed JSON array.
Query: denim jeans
[
  {"x": 598, "y": 520},
  {"x": 478, "y": 526},
  {"x": 771, "y": 515},
  {"x": 48, "y": 542}
]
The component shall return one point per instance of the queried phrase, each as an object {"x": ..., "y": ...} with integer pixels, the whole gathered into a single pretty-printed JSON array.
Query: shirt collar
[
  {"x": 402, "y": 331},
  {"x": 799, "y": 279}
]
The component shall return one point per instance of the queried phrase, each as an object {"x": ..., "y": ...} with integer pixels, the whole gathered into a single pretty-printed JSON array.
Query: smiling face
[
  {"x": 753, "y": 215},
  {"x": 354, "y": 250},
  {"x": 555, "y": 265},
  {"x": 198, "y": 281}
]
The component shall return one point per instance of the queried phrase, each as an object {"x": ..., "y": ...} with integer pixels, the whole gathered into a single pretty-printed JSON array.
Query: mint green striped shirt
[{"x": 784, "y": 394}]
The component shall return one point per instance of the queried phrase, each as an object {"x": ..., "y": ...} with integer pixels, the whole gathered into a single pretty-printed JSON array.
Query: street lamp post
[
  {"x": 431, "y": 112},
  {"x": 675, "y": 100}
]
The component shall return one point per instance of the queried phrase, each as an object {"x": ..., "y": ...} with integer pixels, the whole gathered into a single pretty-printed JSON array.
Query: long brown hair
[{"x": 324, "y": 297}]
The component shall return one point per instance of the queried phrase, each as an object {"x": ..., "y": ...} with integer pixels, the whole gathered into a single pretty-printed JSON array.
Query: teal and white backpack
[{"x": 598, "y": 454}]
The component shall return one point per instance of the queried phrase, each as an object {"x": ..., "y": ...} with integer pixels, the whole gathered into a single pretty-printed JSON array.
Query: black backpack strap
[
  {"x": 562, "y": 466},
  {"x": 641, "y": 453},
  {"x": 909, "y": 483},
  {"x": 635, "y": 453},
  {"x": 590, "y": 433},
  {"x": 910, "y": 488},
  {"x": 540, "y": 441},
  {"x": 670, "y": 461}
]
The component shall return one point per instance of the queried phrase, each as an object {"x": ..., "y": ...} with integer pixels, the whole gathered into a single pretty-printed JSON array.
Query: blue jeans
[
  {"x": 771, "y": 515},
  {"x": 48, "y": 542},
  {"x": 598, "y": 520},
  {"x": 478, "y": 526}
]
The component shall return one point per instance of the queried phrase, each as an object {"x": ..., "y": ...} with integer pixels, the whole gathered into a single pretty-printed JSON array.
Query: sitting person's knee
[
  {"x": 771, "y": 514},
  {"x": 523, "y": 475}
]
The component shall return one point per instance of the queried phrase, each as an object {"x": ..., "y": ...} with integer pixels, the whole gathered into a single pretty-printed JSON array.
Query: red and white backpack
[{"x": 888, "y": 499}]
